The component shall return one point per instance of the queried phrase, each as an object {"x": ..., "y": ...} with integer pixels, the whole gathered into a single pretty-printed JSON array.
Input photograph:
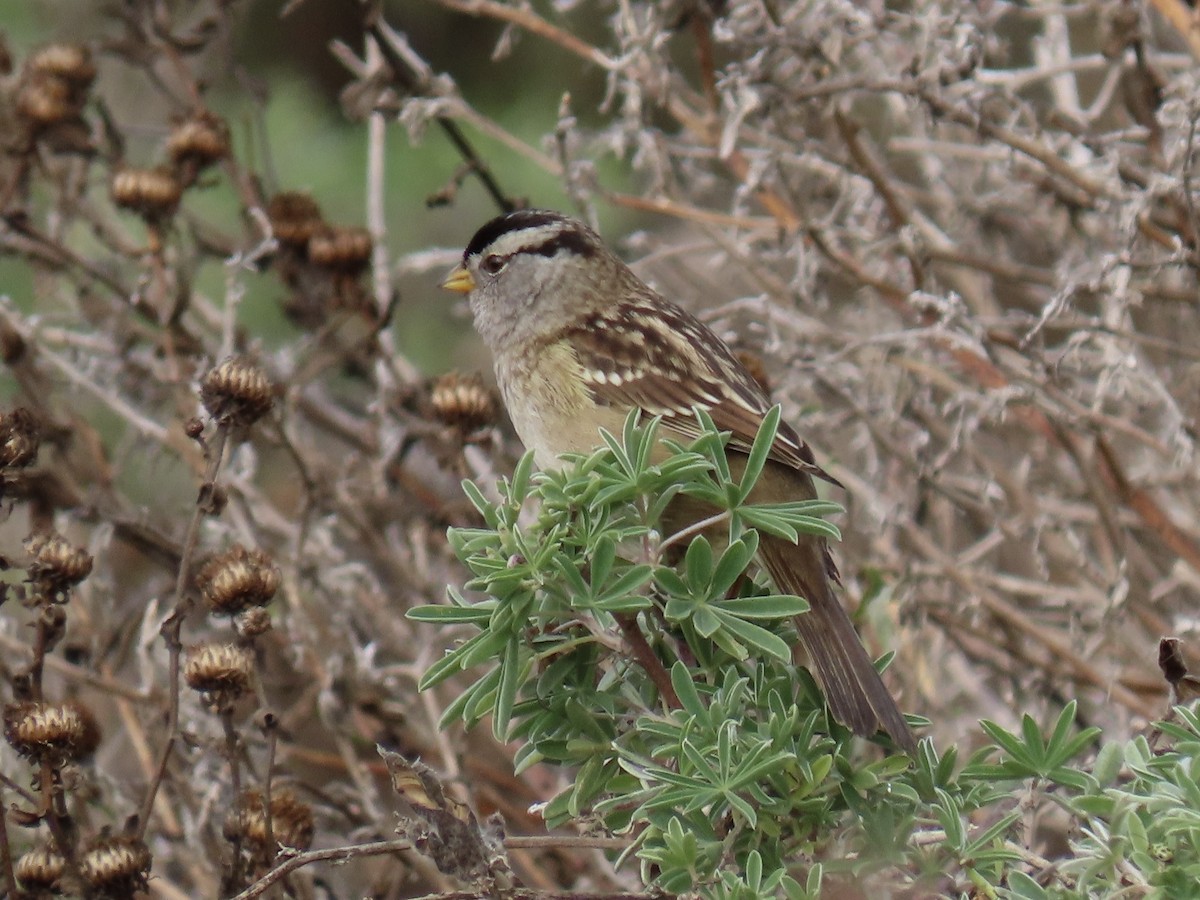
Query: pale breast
[{"x": 551, "y": 407}]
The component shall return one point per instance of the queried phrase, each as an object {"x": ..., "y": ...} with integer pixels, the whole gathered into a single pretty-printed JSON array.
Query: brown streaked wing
[{"x": 628, "y": 362}]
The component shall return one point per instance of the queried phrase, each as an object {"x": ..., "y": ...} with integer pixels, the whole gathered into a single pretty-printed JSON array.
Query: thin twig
[
  {"x": 406, "y": 78},
  {"x": 334, "y": 854},
  {"x": 173, "y": 625}
]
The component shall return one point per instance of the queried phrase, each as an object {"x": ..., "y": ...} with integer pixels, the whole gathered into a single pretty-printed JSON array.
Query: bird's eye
[{"x": 493, "y": 263}]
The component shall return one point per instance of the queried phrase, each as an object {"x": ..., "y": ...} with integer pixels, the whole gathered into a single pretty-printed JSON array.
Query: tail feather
[{"x": 857, "y": 696}]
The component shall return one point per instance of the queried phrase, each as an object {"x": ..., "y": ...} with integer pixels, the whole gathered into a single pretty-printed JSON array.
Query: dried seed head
[
  {"x": 45, "y": 101},
  {"x": 70, "y": 62},
  {"x": 221, "y": 672},
  {"x": 237, "y": 579},
  {"x": 295, "y": 218},
  {"x": 343, "y": 249},
  {"x": 18, "y": 439},
  {"x": 115, "y": 866},
  {"x": 57, "y": 566},
  {"x": 237, "y": 391},
  {"x": 199, "y": 141},
  {"x": 153, "y": 193},
  {"x": 57, "y": 732},
  {"x": 41, "y": 869},
  {"x": 291, "y": 823},
  {"x": 253, "y": 622},
  {"x": 462, "y": 401}
]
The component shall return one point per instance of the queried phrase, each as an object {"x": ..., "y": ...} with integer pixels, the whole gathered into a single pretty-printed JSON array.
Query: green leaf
[
  {"x": 604, "y": 553},
  {"x": 733, "y": 563},
  {"x": 481, "y": 503},
  {"x": 1022, "y": 886},
  {"x": 759, "y": 451},
  {"x": 698, "y": 563},
  {"x": 467, "y": 707},
  {"x": 506, "y": 692},
  {"x": 484, "y": 647},
  {"x": 627, "y": 583},
  {"x": 705, "y": 621},
  {"x": 757, "y": 637},
  {"x": 685, "y": 690},
  {"x": 447, "y": 614},
  {"x": 773, "y": 606},
  {"x": 519, "y": 484}
]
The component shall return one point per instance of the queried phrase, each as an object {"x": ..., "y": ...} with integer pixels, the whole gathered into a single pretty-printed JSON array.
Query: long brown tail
[{"x": 857, "y": 695}]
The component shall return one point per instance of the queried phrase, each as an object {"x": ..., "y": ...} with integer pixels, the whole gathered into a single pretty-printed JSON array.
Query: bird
[{"x": 578, "y": 341}]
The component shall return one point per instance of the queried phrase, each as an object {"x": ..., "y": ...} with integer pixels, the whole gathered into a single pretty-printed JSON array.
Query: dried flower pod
[
  {"x": 291, "y": 823},
  {"x": 222, "y": 672},
  {"x": 18, "y": 439},
  {"x": 343, "y": 249},
  {"x": 462, "y": 401},
  {"x": 40, "y": 870},
  {"x": 199, "y": 141},
  {"x": 58, "y": 732},
  {"x": 237, "y": 391},
  {"x": 295, "y": 218},
  {"x": 70, "y": 62},
  {"x": 44, "y": 101},
  {"x": 252, "y": 623},
  {"x": 57, "y": 566},
  {"x": 115, "y": 866},
  {"x": 153, "y": 193},
  {"x": 237, "y": 579}
]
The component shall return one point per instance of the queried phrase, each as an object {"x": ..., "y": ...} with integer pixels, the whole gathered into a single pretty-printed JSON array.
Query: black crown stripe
[{"x": 571, "y": 238}]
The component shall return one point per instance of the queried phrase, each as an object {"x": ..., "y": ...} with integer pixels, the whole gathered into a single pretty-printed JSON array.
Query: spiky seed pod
[
  {"x": 221, "y": 672},
  {"x": 199, "y": 141},
  {"x": 291, "y": 823},
  {"x": 43, "y": 100},
  {"x": 58, "y": 732},
  {"x": 462, "y": 401},
  {"x": 70, "y": 62},
  {"x": 57, "y": 566},
  {"x": 115, "y": 866},
  {"x": 252, "y": 623},
  {"x": 295, "y": 217},
  {"x": 342, "y": 249},
  {"x": 152, "y": 193},
  {"x": 236, "y": 580},
  {"x": 237, "y": 391},
  {"x": 18, "y": 439},
  {"x": 40, "y": 870}
]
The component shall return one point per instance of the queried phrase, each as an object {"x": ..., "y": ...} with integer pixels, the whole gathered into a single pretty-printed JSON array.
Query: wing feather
[{"x": 628, "y": 359}]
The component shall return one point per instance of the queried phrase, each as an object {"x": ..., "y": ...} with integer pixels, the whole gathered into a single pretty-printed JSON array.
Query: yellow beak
[{"x": 459, "y": 281}]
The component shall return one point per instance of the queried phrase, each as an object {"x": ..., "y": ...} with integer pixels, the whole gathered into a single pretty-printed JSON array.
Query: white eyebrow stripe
[{"x": 514, "y": 241}]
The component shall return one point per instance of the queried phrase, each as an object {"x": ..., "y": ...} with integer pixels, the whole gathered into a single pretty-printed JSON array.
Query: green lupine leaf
[
  {"x": 772, "y": 607},
  {"x": 756, "y": 636},
  {"x": 448, "y": 614},
  {"x": 519, "y": 484},
  {"x": 506, "y": 692},
  {"x": 698, "y": 563},
  {"x": 685, "y": 690},
  {"x": 759, "y": 451},
  {"x": 482, "y": 504},
  {"x": 705, "y": 621},
  {"x": 733, "y": 562}
]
